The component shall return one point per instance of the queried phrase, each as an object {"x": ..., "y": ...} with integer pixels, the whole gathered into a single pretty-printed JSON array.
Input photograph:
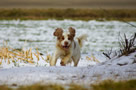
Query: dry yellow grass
[
  {"x": 8, "y": 55},
  {"x": 92, "y": 58}
]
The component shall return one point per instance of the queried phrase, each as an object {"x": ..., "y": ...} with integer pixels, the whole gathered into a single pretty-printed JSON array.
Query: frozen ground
[
  {"x": 103, "y": 35},
  {"x": 93, "y": 66},
  {"x": 123, "y": 68}
]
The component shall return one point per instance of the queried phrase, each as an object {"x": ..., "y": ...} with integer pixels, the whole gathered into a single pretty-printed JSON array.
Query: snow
[
  {"x": 103, "y": 35},
  {"x": 93, "y": 66},
  {"x": 123, "y": 68}
]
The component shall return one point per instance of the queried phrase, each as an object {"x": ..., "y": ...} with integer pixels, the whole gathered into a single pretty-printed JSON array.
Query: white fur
[{"x": 65, "y": 39}]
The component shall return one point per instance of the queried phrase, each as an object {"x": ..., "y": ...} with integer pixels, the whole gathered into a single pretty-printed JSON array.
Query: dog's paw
[{"x": 62, "y": 63}]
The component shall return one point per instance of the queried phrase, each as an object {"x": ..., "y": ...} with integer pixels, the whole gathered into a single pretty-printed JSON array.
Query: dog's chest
[{"x": 64, "y": 54}]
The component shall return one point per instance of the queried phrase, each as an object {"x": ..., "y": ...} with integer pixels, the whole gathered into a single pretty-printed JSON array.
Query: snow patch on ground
[
  {"x": 123, "y": 68},
  {"x": 93, "y": 66}
]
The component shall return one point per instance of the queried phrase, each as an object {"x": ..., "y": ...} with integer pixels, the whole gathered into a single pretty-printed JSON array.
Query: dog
[{"x": 67, "y": 48}]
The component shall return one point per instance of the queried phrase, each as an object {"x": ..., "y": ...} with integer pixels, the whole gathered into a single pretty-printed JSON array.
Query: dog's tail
[{"x": 81, "y": 39}]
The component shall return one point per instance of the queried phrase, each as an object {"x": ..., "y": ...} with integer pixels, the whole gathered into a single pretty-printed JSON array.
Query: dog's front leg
[
  {"x": 54, "y": 59},
  {"x": 65, "y": 60}
]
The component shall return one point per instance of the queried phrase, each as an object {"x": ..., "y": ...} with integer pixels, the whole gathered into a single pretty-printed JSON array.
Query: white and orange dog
[{"x": 67, "y": 48}]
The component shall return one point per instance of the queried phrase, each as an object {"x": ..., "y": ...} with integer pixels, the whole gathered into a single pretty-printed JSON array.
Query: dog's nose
[{"x": 66, "y": 43}]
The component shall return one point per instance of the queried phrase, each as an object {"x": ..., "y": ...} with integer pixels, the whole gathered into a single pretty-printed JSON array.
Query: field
[
  {"x": 99, "y": 14},
  {"x": 27, "y": 44},
  {"x": 102, "y": 35}
]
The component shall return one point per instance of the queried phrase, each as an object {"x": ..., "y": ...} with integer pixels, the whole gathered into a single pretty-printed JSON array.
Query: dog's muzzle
[{"x": 66, "y": 47}]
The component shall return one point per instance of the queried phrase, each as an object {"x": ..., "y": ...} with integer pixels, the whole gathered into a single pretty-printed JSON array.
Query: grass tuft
[
  {"x": 127, "y": 46},
  {"x": 41, "y": 87},
  {"x": 9, "y": 55},
  {"x": 112, "y": 85}
]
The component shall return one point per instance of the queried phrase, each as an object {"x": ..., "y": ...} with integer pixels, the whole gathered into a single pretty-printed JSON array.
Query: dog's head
[{"x": 65, "y": 38}]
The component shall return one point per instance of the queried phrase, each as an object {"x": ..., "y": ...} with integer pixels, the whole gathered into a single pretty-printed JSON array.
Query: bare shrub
[{"x": 126, "y": 45}]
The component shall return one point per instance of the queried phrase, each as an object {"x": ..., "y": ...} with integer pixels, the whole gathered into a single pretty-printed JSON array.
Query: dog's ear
[
  {"x": 58, "y": 32},
  {"x": 72, "y": 32}
]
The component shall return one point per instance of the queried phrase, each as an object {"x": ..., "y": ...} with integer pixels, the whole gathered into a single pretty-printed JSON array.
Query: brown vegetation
[
  {"x": 104, "y": 85},
  {"x": 126, "y": 45},
  {"x": 74, "y": 14},
  {"x": 8, "y": 55},
  {"x": 111, "y": 85}
]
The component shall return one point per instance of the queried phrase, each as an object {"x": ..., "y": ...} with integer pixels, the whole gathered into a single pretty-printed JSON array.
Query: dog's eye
[
  {"x": 62, "y": 38},
  {"x": 69, "y": 38}
]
